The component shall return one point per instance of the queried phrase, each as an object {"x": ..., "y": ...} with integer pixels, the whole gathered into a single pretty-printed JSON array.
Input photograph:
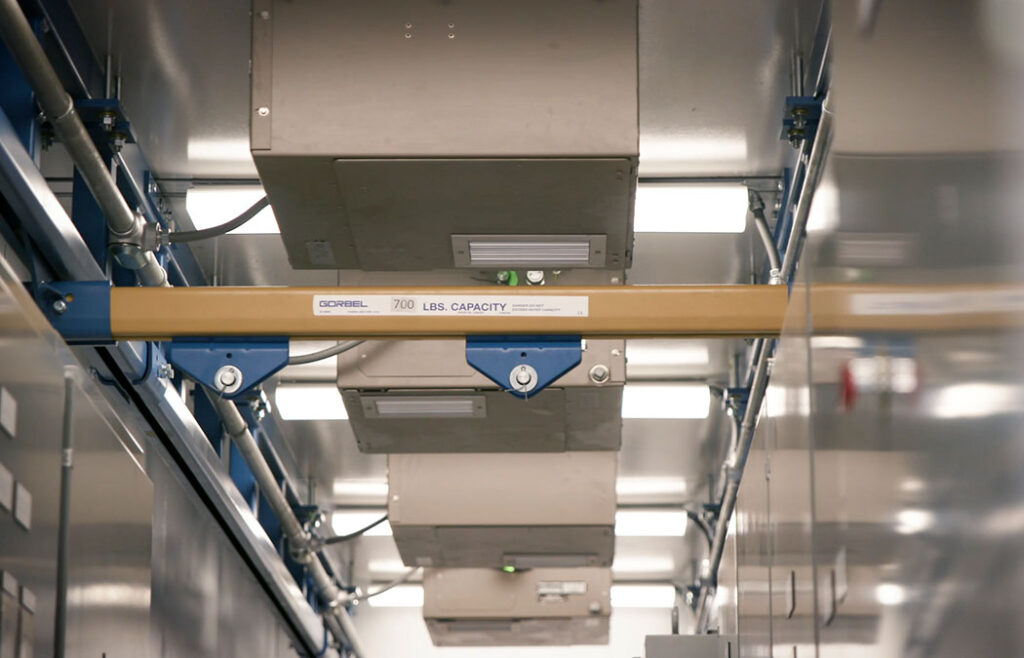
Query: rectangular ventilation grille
[
  {"x": 424, "y": 407},
  {"x": 528, "y": 251}
]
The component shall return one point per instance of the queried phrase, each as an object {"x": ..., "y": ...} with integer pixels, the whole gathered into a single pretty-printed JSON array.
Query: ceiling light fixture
[
  {"x": 673, "y": 401},
  {"x": 690, "y": 208},
  {"x": 643, "y": 596},
  {"x": 309, "y": 402},
  {"x": 212, "y": 205},
  {"x": 650, "y": 523}
]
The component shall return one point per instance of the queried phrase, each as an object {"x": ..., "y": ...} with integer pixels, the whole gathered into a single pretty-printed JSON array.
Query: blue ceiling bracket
[
  {"x": 78, "y": 310},
  {"x": 523, "y": 365},
  {"x": 230, "y": 366}
]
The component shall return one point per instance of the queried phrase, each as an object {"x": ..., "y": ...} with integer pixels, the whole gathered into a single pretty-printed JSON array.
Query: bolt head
[
  {"x": 60, "y": 306},
  {"x": 263, "y": 111},
  {"x": 535, "y": 276},
  {"x": 600, "y": 374}
]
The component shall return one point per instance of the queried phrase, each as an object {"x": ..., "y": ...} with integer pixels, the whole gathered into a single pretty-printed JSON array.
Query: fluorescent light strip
[
  {"x": 309, "y": 402},
  {"x": 400, "y": 596},
  {"x": 629, "y": 488},
  {"x": 372, "y": 490},
  {"x": 345, "y": 522},
  {"x": 643, "y": 596},
  {"x": 212, "y": 205},
  {"x": 650, "y": 523},
  {"x": 690, "y": 208},
  {"x": 672, "y": 401}
]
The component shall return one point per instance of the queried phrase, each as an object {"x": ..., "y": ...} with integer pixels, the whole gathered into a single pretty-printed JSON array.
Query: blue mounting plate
[
  {"x": 255, "y": 358},
  {"x": 541, "y": 359}
]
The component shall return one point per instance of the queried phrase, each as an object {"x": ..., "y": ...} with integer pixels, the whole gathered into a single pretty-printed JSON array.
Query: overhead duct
[
  {"x": 422, "y": 396},
  {"x": 489, "y": 607},
  {"x": 407, "y": 135},
  {"x": 503, "y": 510}
]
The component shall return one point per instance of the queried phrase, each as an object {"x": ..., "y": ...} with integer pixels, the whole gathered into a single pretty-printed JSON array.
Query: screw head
[
  {"x": 60, "y": 306},
  {"x": 535, "y": 277},
  {"x": 263, "y": 111}
]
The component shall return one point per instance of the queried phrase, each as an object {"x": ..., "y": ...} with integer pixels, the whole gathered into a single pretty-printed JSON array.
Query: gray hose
[
  {"x": 393, "y": 584},
  {"x": 60, "y": 110},
  {"x": 757, "y": 210},
  {"x": 226, "y": 227},
  {"x": 333, "y": 350}
]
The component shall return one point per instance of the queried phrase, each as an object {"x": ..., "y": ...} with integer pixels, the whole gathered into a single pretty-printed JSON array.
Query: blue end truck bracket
[
  {"x": 523, "y": 365},
  {"x": 78, "y": 310},
  {"x": 228, "y": 366}
]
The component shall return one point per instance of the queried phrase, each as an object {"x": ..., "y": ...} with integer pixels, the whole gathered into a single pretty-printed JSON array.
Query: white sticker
[
  {"x": 453, "y": 305},
  {"x": 561, "y": 587}
]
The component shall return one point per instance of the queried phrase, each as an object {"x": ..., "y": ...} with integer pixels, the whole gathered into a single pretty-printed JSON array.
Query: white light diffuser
[
  {"x": 650, "y": 523},
  {"x": 666, "y": 401},
  {"x": 361, "y": 492},
  {"x": 345, "y": 522},
  {"x": 690, "y": 208},
  {"x": 643, "y": 596},
  {"x": 309, "y": 402},
  {"x": 635, "y": 489},
  {"x": 400, "y": 596},
  {"x": 212, "y": 205}
]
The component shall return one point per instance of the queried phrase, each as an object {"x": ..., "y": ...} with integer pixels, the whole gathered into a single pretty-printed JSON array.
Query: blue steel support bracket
[
  {"x": 523, "y": 365},
  {"x": 803, "y": 113},
  {"x": 79, "y": 310},
  {"x": 230, "y": 366}
]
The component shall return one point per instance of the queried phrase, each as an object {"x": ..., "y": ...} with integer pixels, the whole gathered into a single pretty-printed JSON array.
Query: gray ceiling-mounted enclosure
[
  {"x": 503, "y": 510},
  {"x": 488, "y": 607},
  {"x": 413, "y": 135},
  {"x": 422, "y": 396}
]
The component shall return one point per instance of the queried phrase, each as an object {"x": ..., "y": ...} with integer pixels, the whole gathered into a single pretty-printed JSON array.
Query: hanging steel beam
[{"x": 724, "y": 310}]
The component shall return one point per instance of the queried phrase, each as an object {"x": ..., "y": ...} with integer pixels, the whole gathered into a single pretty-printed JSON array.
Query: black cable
[
  {"x": 357, "y": 533},
  {"x": 214, "y": 231}
]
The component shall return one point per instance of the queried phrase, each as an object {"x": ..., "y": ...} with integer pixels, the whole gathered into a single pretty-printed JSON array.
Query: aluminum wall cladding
[
  {"x": 422, "y": 396},
  {"x": 488, "y": 607},
  {"x": 384, "y": 132},
  {"x": 691, "y": 646},
  {"x": 495, "y": 510}
]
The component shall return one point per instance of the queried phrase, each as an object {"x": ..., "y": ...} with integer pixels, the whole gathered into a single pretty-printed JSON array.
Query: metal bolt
[
  {"x": 60, "y": 306},
  {"x": 263, "y": 111},
  {"x": 451, "y": 35},
  {"x": 451, "y": 26},
  {"x": 165, "y": 371},
  {"x": 228, "y": 379},
  {"x": 107, "y": 118},
  {"x": 535, "y": 277},
  {"x": 408, "y": 35},
  {"x": 523, "y": 378},
  {"x": 614, "y": 280},
  {"x": 600, "y": 373},
  {"x": 408, "y": 26}
]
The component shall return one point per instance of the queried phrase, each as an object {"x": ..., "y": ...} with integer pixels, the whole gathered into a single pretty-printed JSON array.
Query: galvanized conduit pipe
[
  {"x": 734, "y": 469},
  {"x": 337, "y": 617},
  {"x": 63, "y": 524},
  {"x": 125, "y": 226}
]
